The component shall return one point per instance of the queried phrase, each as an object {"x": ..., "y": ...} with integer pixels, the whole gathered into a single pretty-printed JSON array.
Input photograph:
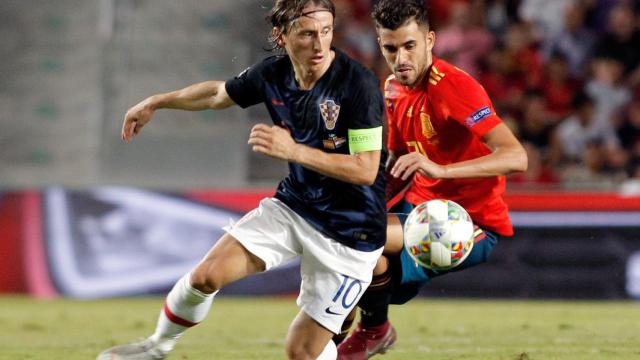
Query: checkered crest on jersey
[{"x": 329, "y": 111}]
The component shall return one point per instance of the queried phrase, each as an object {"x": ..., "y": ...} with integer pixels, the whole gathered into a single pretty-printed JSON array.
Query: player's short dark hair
[
  {"x": 391, "y": 14},
  {"x": 285, "y": 12}
]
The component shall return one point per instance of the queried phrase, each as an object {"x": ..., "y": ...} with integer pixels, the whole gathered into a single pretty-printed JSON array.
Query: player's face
[
  {"x": 308, "y": 41},
  {"x": 407, "y": 51}
]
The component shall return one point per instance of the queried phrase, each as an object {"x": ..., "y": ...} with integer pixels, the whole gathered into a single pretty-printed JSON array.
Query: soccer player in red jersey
[{"x": 444, "y": 136}]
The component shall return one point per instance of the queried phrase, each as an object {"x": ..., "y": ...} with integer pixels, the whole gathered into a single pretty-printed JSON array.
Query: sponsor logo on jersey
[
  {"x": 477, "y": 116},
  {"x": 333, "y": 142},
  {"x": 329, "y": 111}
]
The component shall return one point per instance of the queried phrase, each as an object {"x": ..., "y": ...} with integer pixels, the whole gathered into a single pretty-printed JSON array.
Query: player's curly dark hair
[
  {"x": 391, "y": 14},
  {"x": 285, "y": 12}
]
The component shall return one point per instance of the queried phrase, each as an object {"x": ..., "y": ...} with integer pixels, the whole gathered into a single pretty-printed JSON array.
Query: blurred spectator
[
  {"x": 622, "y": 41},
  {"x": 608, "y": 90},
  {"x": 631, "y": 186},
  {"x": 628, "y": 133},
  {"x": 505, "y": 89},
  {"x": 597, "y": 13},
  {"x": 574, "y": 41},
  {"x": 500, "y": 14},
  {"x": 546, "y": 16},
  {"x": 536, "y": 126},
  {"x": 355, "y": 33},
  {"x": 592, "y": 173},
  {"x": 509, "y": 70},
  {"x": 522, "y": 56},
  {"x": 463, "y": 41},
  {"x": 572, "y": 134},
  {"x": 534, "y": 129},
  {"x": 439, "y": 12},
  {"x": 559, "y": 87}
]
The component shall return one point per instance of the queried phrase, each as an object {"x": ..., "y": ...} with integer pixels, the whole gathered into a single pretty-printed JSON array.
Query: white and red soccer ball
[{"x": 439, "y": 234}]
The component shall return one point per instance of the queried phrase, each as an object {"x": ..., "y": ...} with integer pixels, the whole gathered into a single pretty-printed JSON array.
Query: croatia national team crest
[{"x": 329, "y": 111}]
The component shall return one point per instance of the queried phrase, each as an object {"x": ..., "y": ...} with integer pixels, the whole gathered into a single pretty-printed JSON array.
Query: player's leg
[
  {"x": 334, "y": 277},
  {"x": 307, "y": 339},
  {"x": 346, "y": 327},
  {"x": 374, "y": 334},
  {"x": 253, "y": 244},
  {"x": 326, "y": 298},
  {"x": 483, "y": 244},
  {"x": 380, "y": 284},
  {"x": 190, "y": 299},
  {"x": 410, "y": 278}
]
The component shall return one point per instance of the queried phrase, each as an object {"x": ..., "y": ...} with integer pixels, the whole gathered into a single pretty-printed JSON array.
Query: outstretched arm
[
  {"x": 201, "y": 96},
  {"x": 359, "y": 168},
  {"x": 507, "y": 156}
]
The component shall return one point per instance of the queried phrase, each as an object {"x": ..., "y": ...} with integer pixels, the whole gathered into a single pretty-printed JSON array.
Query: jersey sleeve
[
  {"x": 366, "y": 107},
  {"x": 467, "y": 102},
  {"x": 365, "y": 115},
  {"x": 245, "y": 89}
]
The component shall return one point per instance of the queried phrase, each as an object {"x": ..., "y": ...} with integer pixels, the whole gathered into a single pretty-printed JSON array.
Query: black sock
[{"x": 374, "y": 304}]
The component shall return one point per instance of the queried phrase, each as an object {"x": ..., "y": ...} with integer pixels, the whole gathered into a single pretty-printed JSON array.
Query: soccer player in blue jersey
[{"x": 330, "y": 209}]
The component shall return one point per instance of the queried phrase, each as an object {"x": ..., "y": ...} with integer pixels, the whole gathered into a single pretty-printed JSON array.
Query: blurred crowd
[{"x": 563, "y": 74}]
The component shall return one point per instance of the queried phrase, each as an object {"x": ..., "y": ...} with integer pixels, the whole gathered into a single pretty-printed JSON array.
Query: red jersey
[{"x": 444, "y": 118}]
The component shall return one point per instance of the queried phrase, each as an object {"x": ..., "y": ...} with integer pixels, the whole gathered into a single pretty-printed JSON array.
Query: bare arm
[
  {"x": 507, "y": 156},
  {"x": 359, "y": 168},
  {"x": 201, "y": 96}
]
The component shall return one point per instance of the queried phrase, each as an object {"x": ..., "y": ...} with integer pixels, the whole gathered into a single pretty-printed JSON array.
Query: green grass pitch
[{"x": 254, "y": 328}]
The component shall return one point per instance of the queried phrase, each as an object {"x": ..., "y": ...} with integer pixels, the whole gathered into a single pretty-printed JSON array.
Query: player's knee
[
  {"x": 382, "y": 265},
  {"x": 300, "y": 350},
  {"x": 204, "y": 279}
]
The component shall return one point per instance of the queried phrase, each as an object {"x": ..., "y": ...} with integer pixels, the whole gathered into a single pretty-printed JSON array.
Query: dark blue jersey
[{"x": 346, "y": 98}]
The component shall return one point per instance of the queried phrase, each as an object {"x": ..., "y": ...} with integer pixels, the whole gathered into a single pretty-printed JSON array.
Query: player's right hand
[
  {"x": 135, "y": 119},
  {"x": 413, "y": 162}
]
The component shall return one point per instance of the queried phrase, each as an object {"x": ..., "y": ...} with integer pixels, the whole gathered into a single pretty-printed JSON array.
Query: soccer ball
[{"x": 438, "y": 234}]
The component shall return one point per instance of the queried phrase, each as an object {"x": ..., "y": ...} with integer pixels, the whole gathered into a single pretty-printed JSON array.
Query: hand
[
  {"x": 272, "y": 141},
  {"x": 135, "y": 119},
  {"x": 409, "y": 163}
]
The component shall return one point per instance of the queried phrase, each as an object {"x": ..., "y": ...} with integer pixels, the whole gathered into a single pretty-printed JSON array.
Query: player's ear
[
  {"x": 431, "y": 40},
  {"x": 277, "y": 36}
]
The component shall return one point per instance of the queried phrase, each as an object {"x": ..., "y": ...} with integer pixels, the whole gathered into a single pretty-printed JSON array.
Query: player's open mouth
[{"x": 317, "y": 59}]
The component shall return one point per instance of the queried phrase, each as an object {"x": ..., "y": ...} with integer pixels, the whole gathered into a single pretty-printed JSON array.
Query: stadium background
[{"x": 83, "y": 215}]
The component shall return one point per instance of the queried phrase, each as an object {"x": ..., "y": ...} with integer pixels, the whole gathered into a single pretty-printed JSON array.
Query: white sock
[
  {"x": 184, "y": 307},
  {"x": 330, "y": 352}
]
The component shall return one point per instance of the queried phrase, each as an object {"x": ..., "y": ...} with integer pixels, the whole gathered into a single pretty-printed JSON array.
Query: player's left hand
[
  {"x": 409, "y": 163},
  {"x": 273, "y": 141}
]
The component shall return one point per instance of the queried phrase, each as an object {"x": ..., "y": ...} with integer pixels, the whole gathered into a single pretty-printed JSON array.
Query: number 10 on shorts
[{"x": 348, "y": 293}]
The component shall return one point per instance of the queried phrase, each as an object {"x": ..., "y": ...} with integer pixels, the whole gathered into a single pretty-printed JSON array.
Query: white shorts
[{"x": 334, "y": 276}]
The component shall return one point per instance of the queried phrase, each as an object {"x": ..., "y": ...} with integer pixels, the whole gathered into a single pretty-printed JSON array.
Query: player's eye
[{"x": 390, "y": 49}]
